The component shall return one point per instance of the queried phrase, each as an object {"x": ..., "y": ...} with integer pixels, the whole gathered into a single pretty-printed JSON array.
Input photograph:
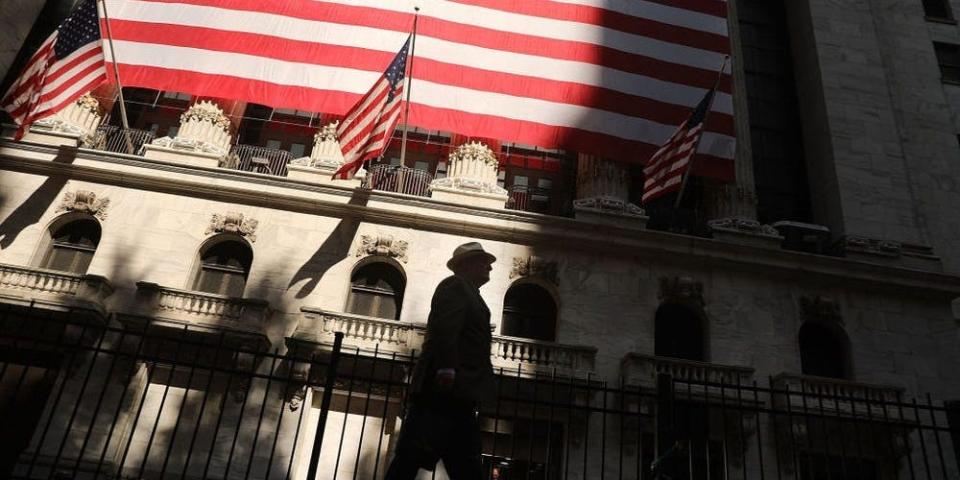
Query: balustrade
[
  {"x": 203, "y": 309},
  {"x": 643, "y": 370},
  {"x": 53, "y": 287},
  {"x": 838, "y": 396}
]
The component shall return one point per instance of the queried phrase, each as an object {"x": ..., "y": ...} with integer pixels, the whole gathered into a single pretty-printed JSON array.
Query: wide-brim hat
[{"x": 469, "y": 250}]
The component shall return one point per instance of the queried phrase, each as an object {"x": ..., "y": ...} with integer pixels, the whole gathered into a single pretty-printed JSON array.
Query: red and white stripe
[
  {"x": 367, "y": 128},
  {"x": 664, "y": 173},
  {"x": 47, "y": 85},
  {"x": 607, "y": 77}
]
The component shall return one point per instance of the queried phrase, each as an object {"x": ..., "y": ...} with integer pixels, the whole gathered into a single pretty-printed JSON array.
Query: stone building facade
[{"x": 856, "y": 294}]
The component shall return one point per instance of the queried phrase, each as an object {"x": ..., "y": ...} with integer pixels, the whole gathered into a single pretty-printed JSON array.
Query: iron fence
[
  {"x": 114, "y": 139},
  {"x": 82, "y": 398},
  {"x": 399, "y": 179},
  {"x": 252, "y": 158}
]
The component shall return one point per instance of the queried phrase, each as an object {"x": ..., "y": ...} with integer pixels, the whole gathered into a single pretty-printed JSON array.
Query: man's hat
[{"x": 469, "y": 250}]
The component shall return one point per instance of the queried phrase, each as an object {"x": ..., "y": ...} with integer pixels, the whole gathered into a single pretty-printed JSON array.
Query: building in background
[{"x": 174, "y": 310}]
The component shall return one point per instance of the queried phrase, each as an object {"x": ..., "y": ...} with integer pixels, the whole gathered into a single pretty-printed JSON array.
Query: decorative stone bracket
[
  {"x": 233, "y": 222},
  {"x": 203, "y": 138},
  {"x": 820, "y": 308},
  {"x": 80, "y": 119},
  {"x": 535, "y": 266},
  {"x": 326, "y": 153},
  {"x": 745, "y": 230},
  {"x": 383, "y": 245},
  {"x": 85, "y": 201},
  {"x": 683, "y": 290},
  {"x": 471, "y": 178}
]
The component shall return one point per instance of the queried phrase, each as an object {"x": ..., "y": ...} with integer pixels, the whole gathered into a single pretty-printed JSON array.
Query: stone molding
[
  {"x": 609, "y": 205},
  {"x": 535, "y": 267},
  {"x": 872, "y": 246},
  {"x": 820, "y": 308},
  {"x": 602, "y": 187},
  {"x": 384, "y": 246},
  {"x": 233, "y": 222},
  {"x": 63, "y": 289},
  {"x": 682, "y": 290},
  {"x": 84, "y": 201},
  {"x": 745, "y": 226}
]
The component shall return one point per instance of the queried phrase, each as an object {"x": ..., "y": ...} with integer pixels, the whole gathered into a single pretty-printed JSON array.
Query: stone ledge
[
  {"x": 485, "y": 223},
  {"x": 54, "y": 289}
]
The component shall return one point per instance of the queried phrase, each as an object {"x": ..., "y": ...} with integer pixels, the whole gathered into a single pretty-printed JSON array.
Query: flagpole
[
  {"x": 116, "y": 76},
  {"x": 406, "y": 107},
  {"x": 706, "y": 115}
]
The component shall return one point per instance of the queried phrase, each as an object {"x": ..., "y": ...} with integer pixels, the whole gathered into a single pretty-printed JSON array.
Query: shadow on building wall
[
  {"x": 32, "y": 209},
  {"x": 334, "y": 249}
]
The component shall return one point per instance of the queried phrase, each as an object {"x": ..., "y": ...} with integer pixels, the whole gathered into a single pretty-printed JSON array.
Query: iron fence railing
[
  {"x": 399, "y": 179},
  {"x": 252, "y": 158},
  {"x": 528, "y": 199},
  {"x": 114, "y": 139},
  {"x": 82, "y": 398}
]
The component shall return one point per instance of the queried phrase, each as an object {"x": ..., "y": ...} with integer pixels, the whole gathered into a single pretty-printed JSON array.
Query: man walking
[{"x": 451, "y": 377}]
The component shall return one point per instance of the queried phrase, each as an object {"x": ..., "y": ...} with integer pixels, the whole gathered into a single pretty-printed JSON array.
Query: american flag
[
  {"x": 605, "y": 77},
  {"x": 368, "y": 126},
  {"x": 665, "y": 170},
  {"x": 67, "y": 65}
]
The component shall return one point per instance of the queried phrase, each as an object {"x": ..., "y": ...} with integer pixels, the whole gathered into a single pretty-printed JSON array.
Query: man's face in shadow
[{"x": 475, "y": 270}]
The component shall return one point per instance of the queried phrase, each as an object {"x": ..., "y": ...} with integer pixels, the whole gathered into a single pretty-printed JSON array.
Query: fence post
[
  {"x": 325, "y": 405},
  {"x": 953, "y": 421},
  {"x": 668, "y": 451}
]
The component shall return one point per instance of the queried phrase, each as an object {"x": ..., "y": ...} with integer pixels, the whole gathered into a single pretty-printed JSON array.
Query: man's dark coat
[{"x": 458, "y": 337}]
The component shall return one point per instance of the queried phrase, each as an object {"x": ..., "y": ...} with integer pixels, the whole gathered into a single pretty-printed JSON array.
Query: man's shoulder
[{"x": 453, "y": 285}]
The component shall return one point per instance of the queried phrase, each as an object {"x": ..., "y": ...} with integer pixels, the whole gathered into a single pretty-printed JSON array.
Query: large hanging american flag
[
  {"x": 68, "y": 64},
  {"x": 607, "y": 77},
  {"x": 368, "y": 126}
]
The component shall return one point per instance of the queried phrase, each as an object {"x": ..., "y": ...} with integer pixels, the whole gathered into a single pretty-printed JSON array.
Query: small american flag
[
  {"x": 664, "y": 173},
  {"x": 368, "y": 126},
  {"x": 68, "y": 64}
]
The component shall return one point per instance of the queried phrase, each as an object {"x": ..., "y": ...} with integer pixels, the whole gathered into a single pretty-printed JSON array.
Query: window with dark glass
[
  {"x": 937, "y": 9},
  {"x": 823, "y": 351},
  {"x": 948, "y": 56},
  {"x": 72, "y": 246},
  {"x": 529, "y": 312},
  {"x": 678, "y": 333},
  {"x": 376, "y": 290},
  {"x": 224, "y": 267}
]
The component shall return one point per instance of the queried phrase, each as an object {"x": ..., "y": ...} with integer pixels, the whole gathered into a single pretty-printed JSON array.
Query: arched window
[
  {"x": 824, "y": 350},
  {"x": 376, "y": 290},
  {"x": 678, "y": 333},
  {"x": 224, "y": 267},
  {"x": 72, "y": 246},
  {"x": 529, "y": 311}
]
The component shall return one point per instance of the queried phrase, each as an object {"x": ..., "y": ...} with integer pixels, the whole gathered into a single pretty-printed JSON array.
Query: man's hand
[{"x": 445, "y": 377}]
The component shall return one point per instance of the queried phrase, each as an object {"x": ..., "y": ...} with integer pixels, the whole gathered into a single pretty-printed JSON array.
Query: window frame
[
  {"x": 351, "y": 303},
  {"x": 196, "y": 281},
  {"x": 46, "y": 249}
]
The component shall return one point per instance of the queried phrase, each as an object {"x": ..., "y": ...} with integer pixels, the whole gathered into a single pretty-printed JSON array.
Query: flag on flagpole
[
  {"x": 665, "y": 171},
  {"x": 366, "y": 130},
  {"x": 68, "y": 64}
]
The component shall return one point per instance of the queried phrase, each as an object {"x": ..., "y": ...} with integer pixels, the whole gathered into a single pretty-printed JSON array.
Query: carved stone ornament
[
  {"x": 85, "y": 201},
  {"x": 80, "y": 118},
  {"x": 609, "y": 205},
  {"x": 820, "y": 308},
  {"x": 872, "y": 246},
  {"x": 473, "y": 167},
  {"x": 743, "y": 225},
  {"x": 203, "y": 128},
  {"x": 534, "y": 267},
  {"x": 233, "y": 222},
  {"x": 681, "y": 290},
  {"x": 384, "y": 246}
]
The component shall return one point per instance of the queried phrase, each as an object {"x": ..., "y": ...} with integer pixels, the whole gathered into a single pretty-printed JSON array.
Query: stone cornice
[{"x": 516, "y": 227}]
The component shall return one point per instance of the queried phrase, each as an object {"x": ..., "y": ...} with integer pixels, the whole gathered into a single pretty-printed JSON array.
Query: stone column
[
  {"x": 471, "y": 178},
  {"x": 733, "y": 207},
  {"x": 602, "y": 192},
  {"x": 75, "y": 125},
  {"x": 325, "y": 159},
  {"x": 203, "y": 138}
]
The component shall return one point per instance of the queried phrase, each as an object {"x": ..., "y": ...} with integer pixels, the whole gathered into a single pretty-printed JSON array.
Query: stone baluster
[
  {"x": 471, "y": 178},
  {"x": 602, "y": 192}
]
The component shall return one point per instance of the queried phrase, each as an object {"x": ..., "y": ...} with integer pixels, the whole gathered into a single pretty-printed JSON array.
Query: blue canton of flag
[{"x": 79, "y": 29}]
